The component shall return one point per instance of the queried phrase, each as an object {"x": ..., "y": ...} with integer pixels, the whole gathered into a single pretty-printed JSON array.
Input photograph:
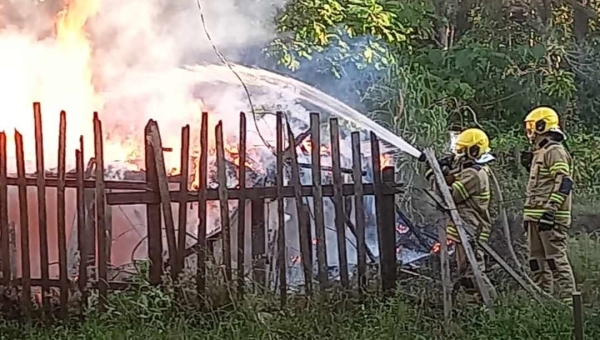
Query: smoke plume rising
[{"x": 120, "y": 58}]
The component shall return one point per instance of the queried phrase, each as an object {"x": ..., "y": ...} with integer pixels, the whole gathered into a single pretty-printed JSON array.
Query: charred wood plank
[{"x": 359, "y": 215}]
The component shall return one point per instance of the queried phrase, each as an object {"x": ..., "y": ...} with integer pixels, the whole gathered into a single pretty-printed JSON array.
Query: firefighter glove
[
  {"x": 446, "y": 160},
  {"x": 547, "y": 220},
  {"x": 526, "y": 159}
]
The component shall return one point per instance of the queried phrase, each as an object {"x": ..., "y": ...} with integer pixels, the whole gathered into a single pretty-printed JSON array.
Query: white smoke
[
  {"x": 138, "y": 58},
  {"x": 137, "y": 47}
]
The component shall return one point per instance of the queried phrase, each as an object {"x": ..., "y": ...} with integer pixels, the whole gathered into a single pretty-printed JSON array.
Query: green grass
[
  {"x": 415, "y": 313},
  {"x": 517, "y": 318}
]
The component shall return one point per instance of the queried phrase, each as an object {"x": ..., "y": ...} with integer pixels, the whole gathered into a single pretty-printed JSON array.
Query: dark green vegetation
[
  {"x": 420, "y": 66},
  {"x": 415, "y": 313}
]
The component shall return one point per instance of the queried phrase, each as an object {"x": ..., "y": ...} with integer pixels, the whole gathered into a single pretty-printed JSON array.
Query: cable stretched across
[{"x": 224, "y": 60}]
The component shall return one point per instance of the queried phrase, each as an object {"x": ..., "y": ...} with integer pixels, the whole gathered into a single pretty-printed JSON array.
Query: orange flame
[
  {"x": 306, "y": 148},
  {"x": 437, "y": 247},
  {"x": 386, "y": 160}
]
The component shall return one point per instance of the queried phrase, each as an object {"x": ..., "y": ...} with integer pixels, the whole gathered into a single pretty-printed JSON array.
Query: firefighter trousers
[
  {"x": 548, "y": 261},
  {"x": 465, "y": 272}
]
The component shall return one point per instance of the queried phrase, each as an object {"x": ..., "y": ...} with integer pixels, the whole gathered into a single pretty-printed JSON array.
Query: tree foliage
[{"x": 420, "y": 66}]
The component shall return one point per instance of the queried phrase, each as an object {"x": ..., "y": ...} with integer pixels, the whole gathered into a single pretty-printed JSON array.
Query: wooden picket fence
[{"x": 93, "y": 222}]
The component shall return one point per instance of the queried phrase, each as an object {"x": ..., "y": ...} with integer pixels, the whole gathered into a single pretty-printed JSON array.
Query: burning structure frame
[{"x": 84, "y": 257}]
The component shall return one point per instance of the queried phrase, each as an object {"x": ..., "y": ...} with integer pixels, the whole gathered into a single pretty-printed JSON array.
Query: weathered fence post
[
  {"x": 387, "y": 225},
  {"x": 183, "y": 197},
  {"x": 202, "y": 182},
  {"x": 4, "y": 233},
  {"x": 90, "y": 218},
  {"x": 223, "y": 202},
  {"x": 281, "y": 239},
  {"x": 153, "y": 215},
  {"x": 41, "y": 195},
  {"x": 385, "y": 210},
  {"x": 82, "y": 232},
  {"x": 154, "y": 139},
  {"x": 338, "y": 202},
  {"x": 102, "y": 259},
  {"x": 257, "y": 207},
  {"x": 60, "y": 214},
  {"x": 24, "y": 224},
  {"x": 302, "y": 218},
  {"x": 241, "y": 225},
  {"x": 317, "y": 191},
  {"x": 359, "y": 212}
]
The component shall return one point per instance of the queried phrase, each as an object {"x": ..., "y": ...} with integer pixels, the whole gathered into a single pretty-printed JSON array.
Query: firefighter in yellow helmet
[
  {"x": 547, "y": 212},
  {"x": 469, "y": 181}
]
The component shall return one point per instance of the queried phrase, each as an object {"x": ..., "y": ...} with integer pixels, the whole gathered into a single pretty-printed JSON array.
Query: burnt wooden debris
[{"x": 84, "y": 252}]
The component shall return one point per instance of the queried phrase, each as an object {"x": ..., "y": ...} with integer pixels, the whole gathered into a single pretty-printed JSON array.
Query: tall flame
[
  {"x": 56, "y": 72},
  {"x": 74, "y": 44}
]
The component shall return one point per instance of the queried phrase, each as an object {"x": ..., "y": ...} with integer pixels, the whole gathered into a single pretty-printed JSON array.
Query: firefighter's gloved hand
[
  {"x": 526, "y": 159},
  {"x": 547, "y": 220},
  {"x": 446, "y": 160}
]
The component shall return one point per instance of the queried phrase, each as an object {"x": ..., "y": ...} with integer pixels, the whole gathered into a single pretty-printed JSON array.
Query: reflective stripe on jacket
[
  {"x": 550, "y": 164},
  {"x": 472, "y": 196}
]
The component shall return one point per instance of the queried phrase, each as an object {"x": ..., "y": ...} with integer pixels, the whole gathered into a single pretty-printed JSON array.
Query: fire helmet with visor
[
  {"x": 540, "y": 121},
  {"x": 472, "y": 143}
]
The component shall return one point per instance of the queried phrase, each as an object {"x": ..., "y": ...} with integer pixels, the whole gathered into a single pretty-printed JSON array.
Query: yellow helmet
[
  {"x": 540, "y": 121},
  {"x": 473, "y": 143}
]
